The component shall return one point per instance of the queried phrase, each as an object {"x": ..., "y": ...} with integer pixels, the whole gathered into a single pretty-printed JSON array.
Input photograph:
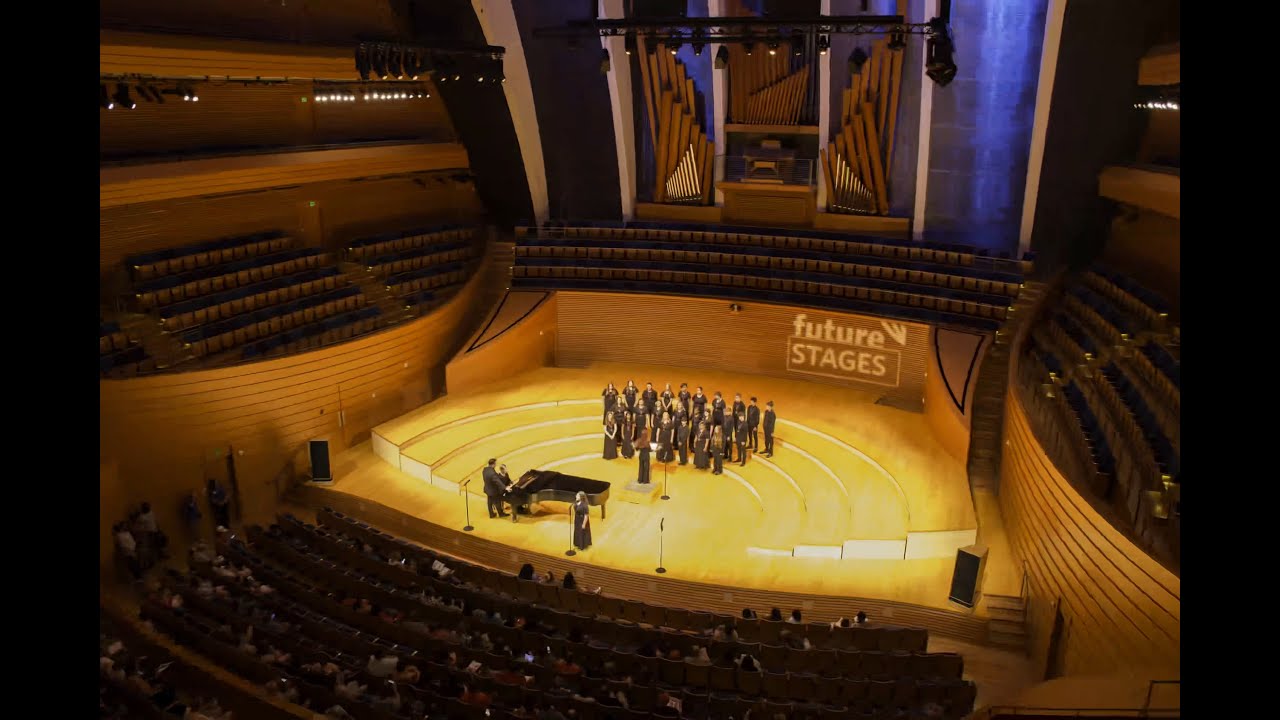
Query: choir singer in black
[
  {"x": 770, "y": 419},
  {"x": 753, "y": 422}
]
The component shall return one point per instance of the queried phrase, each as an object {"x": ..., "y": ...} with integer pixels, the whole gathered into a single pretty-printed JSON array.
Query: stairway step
[
  {"x": 1013, "y": 642},
  {"x": 1007, "y": 627}
]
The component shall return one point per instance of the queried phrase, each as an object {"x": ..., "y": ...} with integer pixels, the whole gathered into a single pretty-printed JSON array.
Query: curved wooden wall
[
  {"x": 232, "y": 115},
  {"x": 161, "y": 434},
  {"x": 327, "y": 21},
  {"x": 125, "y": 185},
  {"x": 527, "y": 344},
  {"x": 1121, "y": 608},
  {"x": 136, "y": 53},
  {"x": 343, "y": 210},
  {"x": 619, "y": 327}
]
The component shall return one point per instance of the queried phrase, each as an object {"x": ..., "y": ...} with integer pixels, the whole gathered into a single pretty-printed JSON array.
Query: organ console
[{"x": 538, "y": 486}]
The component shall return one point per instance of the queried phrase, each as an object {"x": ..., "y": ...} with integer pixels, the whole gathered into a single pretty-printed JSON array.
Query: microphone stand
[
  {"x": 660, "y": 569},
  {"x": 466, "y": 501},
  {"x": 665, "y": 496},
  {"x": 573, "y": 518}
]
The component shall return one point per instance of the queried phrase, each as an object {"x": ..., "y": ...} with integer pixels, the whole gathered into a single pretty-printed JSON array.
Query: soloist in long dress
[{"x": 581, "y": 535}]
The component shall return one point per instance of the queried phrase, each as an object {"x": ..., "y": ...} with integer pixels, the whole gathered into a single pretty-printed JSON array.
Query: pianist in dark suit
[
  {"x": 642, "y": 446},
  {"x": 770, "y": 419},
  {"x": 581, "y": 522},
  {"x": 494, "y": 488}
]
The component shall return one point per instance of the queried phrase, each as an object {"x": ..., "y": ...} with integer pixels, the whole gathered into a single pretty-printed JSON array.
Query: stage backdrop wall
[{"x": 884, "y": 357}]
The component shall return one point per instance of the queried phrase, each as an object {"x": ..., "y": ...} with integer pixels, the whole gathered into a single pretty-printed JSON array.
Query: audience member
[
  {"x": 795, "y": 617},
  {"x": 748, "y": 614},
  {"x": 861, "y": 618},
  {"x": 569, "y": 583},
  {"x": 220, "y": 503},
  {"x": 775, "y": 615}
]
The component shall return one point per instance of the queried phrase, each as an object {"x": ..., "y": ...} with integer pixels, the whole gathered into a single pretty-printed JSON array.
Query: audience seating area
[
  {"x": 1099, "y": 378},
  {"x": 119, "y": 354},
  {"x": 942, "y": 284},
  {"x": 422, "y": 267},
  {"x": 484, "y": 644}
]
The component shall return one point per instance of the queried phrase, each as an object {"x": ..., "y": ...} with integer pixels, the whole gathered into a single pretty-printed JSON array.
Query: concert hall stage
[{"x": 858, "y": 501}]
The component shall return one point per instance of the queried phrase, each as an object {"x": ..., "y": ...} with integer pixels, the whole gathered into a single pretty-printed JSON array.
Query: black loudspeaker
[
  {"x": 320, "y": 471},
  {"x": 966, "y": 581}
]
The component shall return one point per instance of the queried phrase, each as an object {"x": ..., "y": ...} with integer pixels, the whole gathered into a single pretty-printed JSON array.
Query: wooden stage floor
[{"x": 852, "y": 488}]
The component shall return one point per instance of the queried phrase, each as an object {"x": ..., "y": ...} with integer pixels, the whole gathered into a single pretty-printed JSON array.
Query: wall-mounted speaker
[
  {"x": 320, "y": 471},
  {"x": 966, "y": 581}
]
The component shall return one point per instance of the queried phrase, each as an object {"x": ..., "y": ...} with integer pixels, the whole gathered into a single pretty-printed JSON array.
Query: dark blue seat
[
  {"x": 245, "y": 291},
  {"x": 257, "y": 316},
  {"x": 172, "y": 281}
]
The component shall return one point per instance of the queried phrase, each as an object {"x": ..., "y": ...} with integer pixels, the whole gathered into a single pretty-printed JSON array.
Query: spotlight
[
  {"x": 380, "y": 61},
  {"x": 897, "y": 40},
  {"x": 122, "y": 97},
  {"x": 362, "y": 61},
  {"x": 699, "y": 43},
  {"x": 479, "y": 78},
  {"x": 797, "y": 42},
  {"x": 697, "y": 48},
  {"x": 457, "y": 76},
  {"x": 722, "y": 58},
  {"x": 940, "y": 64},
  {"x": 773, "y": 46},
  {"x": 857, "y": 59},
  {"x": 605, "y": 65},
  {"x": 413, "y": 64},
  {"x": 748, "y": 46},
  {"x": 824, "y": 44},
  {"x": 629, "y": 43},
  {"x": 103, "y": 99},
  {"x": 673, "y": 43}
]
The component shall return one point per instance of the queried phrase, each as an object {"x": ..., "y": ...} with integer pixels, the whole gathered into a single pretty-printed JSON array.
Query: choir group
[{"x": 680, "y": 423}]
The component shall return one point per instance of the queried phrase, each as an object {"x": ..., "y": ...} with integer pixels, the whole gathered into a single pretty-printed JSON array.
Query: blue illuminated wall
[{"x": 980, "y": 131}]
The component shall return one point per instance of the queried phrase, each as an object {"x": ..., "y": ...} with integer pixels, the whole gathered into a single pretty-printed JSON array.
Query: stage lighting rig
[
  {"x": 824, "y": 44},
  {"x": 629, "y": 43},
  {"x": 103, "y": 98},
  {"x": 797, "y": 42},
  {"x": 940, "y": 63}
]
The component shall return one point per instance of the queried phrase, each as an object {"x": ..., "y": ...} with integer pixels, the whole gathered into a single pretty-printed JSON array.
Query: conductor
[{"x": 494, "y": 488}]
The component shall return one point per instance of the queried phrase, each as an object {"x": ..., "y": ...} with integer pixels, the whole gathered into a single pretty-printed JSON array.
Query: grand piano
[{"x": 538, "y": 486}]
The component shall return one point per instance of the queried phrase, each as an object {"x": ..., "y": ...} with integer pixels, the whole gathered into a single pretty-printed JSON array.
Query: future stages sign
[{"x": 848, "y": 348}]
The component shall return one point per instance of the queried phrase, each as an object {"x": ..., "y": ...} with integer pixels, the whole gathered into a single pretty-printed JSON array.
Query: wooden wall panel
[
  {"x": 123, "y": 185},
  {"x": 530, "y": 344},
  {"x": 345, "y": 209},
  {"x": 231, "y": 116},
  {"x": 136, "y": 53},
  {"x": 328, "y": 21},
  {"x": 666, "y": 330},
  {"x": 163, "y": 433},
  {"x": 1121, "y": 608}
]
